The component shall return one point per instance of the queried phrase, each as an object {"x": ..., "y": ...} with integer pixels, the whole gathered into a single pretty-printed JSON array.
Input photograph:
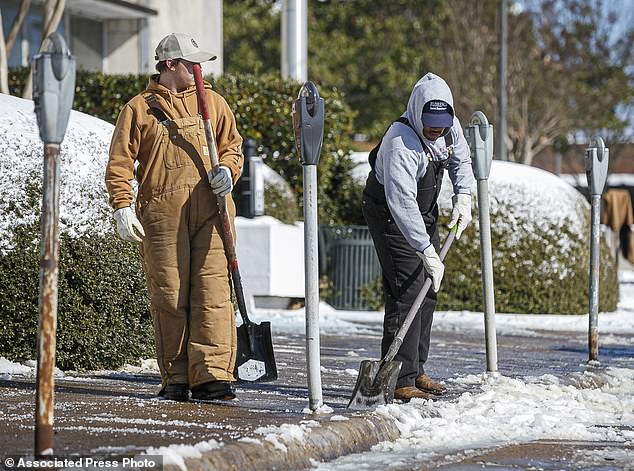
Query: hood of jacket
[
  {"x": 429, "y": 87},
  {"x": 176, "y": 104}
]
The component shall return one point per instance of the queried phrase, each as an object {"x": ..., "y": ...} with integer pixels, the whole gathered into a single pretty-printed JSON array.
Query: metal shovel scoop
[{"x": 377, "y": 379}]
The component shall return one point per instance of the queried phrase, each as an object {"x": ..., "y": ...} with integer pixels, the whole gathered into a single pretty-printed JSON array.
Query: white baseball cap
[{"x": 181, "y": 46}]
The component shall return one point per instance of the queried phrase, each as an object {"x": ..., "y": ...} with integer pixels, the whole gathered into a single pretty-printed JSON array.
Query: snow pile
[
  {"x": 505, "y": 410},
  {"x": 526, "y": 193},
  {"x": 83, "y": 157},
  {"x": 176, "y": 454}
]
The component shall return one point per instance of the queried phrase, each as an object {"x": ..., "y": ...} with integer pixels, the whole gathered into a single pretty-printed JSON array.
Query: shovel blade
[
  {"x": 255, "y": 360},
  {"x": 375, "y": 384}
]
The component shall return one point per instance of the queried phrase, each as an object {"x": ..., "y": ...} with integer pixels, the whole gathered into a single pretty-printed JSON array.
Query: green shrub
[
  {"x": 103, "y": 308},
  {"x": 532, "y": 271}
]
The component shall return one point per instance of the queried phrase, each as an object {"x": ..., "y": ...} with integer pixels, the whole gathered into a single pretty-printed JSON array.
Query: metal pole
[
  {"x": 486, "y": 259},
  {"x": 480, "y": 136},
  {"x": 47, "y": 325},
  {"x": 502, "y": 66},
  {"x": 311, "y": 268},
  {"x": 597, "y": 159},
  {"x": 294, "y": 40},
  {"x": 593, "y": 329}
]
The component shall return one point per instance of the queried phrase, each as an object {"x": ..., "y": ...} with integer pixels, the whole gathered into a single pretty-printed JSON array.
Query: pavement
[{"x": 118, "y": 414}]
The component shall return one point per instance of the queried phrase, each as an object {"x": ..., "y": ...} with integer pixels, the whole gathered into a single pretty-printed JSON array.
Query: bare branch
[{"x": 18, "y": 21}]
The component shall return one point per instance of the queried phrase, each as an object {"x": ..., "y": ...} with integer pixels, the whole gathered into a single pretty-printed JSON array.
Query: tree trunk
[
  {"x": 53, "y": 11},
  {"x": 18, "y": 21}
]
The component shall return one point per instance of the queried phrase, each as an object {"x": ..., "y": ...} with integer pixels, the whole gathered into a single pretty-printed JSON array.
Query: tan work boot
[
  {"x": 428, "y": 385},
  {"x": 405, "y": 393}
]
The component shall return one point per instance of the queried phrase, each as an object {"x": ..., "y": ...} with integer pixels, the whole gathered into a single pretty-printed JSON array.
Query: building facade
[{"x": 118, "y": 36}]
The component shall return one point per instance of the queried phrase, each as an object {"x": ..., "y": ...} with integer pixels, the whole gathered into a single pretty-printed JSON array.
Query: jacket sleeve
[
  {"x": 123, "y": 152},
  {"x": 459, "y": 168},
  {"x": 228, "y": 138}
]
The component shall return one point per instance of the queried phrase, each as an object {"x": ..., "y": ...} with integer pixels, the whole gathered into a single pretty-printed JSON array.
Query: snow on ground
[
  {"x": 505, "y": 411},
  {"x": 496, "y": 410}
]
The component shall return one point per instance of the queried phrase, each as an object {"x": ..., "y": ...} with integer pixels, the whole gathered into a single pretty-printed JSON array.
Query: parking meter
[
  {"x": 597, "y": 156},
  {"x": 480, "y": 136},
  {"x": 308, "y": 126},
  {"x": 479, "y": 133},
  {"x": 53, "y": 89},
  {"x": 308, "y": 123}
]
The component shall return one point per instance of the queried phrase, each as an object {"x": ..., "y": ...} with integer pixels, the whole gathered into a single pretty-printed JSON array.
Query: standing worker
[
  {"x": 401, "y": 209},
  {"x": 159, "y": 139}
]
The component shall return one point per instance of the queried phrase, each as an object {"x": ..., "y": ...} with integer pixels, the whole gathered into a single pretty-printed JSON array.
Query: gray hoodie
[{"x": 401, "y": 160}]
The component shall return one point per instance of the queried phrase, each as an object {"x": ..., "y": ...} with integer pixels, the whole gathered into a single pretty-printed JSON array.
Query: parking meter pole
[
  {"x": 53, "y": 92},
  {"x": 311, "y": 274},
  {"x": 593, "y": 323},
  {"x": 597, "y": 157},
  {"x": 47, "y": 324},
  {"x": 486, "y": 259},
  {"x": 308, "y": 126},
  {"x": 480, "y": 135}
]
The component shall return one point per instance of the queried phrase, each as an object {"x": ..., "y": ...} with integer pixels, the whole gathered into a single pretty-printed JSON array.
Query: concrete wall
[
  {"x": 122, "y": 47},
  {"x": 271, "y": 258}
]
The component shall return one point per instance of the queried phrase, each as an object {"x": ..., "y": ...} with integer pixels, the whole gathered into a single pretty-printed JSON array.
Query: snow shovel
[
  {"x": 255, "y": 360},
  {"x": 377, "y": 379}
]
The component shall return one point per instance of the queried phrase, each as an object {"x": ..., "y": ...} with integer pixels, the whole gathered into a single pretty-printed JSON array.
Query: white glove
[
  {"x": 461, "y": 212},
  {"x": 221, "y": 183},
  {"x": 433, "y": 266},
  {"x": 127, "y": 222}
]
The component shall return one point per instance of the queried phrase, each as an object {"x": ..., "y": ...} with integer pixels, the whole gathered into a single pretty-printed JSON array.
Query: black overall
[{"x": 403, "y": 271}]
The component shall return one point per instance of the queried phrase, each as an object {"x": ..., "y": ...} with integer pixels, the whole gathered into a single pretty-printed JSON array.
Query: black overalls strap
[{"x": 156, "y": 109}]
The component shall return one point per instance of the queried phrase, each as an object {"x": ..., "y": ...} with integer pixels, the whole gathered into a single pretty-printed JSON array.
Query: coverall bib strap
[{"x": 178, "y": 157}]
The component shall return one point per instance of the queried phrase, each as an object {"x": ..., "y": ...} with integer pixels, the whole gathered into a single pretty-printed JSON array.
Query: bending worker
[
  {"x": 159, "y": 139},
  {"x": 401, "y": 209}
]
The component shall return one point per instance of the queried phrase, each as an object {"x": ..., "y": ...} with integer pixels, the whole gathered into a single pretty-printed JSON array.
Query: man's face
[
  {"x": 183, "y": 72},
  {"x": 433, "y": 133}
]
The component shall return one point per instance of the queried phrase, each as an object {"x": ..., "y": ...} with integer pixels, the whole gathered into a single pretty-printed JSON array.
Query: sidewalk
[{"x": 269, "y": 426}]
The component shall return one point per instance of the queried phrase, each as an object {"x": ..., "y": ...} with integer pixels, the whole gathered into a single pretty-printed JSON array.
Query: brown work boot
[
  {"x": 428, "y": 385},
  {"x": 405, "y": 393}
]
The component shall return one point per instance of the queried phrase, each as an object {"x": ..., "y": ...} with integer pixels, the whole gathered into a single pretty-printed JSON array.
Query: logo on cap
[
  {"x": 194, "y": 43},
  {"x": 437, "y": 106}
]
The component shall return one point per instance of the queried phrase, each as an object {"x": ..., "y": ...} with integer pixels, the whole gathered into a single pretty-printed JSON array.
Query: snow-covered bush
[
  {"x": 540, "y": 232},
  {"x": 103, "y": 318}
]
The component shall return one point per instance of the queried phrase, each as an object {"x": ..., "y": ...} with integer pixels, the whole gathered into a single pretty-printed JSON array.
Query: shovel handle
[
  {"x": 225, "y": 227},
  {"x": 402, "y": 331}
]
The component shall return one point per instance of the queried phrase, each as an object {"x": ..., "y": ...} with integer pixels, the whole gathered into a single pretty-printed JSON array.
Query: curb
[{"x": 325, "y": 442}]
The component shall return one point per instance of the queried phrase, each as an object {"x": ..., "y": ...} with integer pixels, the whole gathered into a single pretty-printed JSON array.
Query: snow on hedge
[{"x": 83, "y": 156}]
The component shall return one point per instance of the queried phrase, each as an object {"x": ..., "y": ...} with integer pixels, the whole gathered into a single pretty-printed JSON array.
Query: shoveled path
[{"x": 119, "y": 414}]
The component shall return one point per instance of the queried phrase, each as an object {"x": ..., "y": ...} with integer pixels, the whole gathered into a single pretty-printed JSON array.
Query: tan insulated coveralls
[{"x": 182, "y": 252}]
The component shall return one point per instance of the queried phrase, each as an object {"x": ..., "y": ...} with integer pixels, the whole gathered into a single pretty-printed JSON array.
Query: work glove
[
  {"x": 221, "y": 183},
  {"x": 127, "y": 222},
  {"x": 461, "y": 212},
  {"x": 433, "y": 266}
]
